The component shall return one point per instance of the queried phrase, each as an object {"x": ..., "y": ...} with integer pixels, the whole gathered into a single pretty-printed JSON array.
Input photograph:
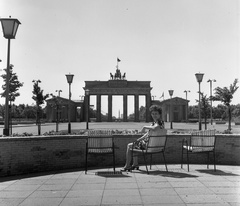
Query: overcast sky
[{"x": 162, "y": 41}]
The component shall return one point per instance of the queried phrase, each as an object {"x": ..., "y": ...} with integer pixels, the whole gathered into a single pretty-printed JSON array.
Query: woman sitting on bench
[{"x": 153, "y": 130}]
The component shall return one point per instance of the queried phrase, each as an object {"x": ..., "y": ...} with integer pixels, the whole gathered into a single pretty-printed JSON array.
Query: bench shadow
[
  {"x": 217, "y": 172},
  {"x": 170, "y": 174},
  {"x": 109, "y": 174},
  {"x": 37, "y": 174}
]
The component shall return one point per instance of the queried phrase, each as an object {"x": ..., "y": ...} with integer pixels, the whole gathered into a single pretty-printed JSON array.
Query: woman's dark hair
[
  {"x": 155, "y": 108},
  {"x": 159, "y": 110}
]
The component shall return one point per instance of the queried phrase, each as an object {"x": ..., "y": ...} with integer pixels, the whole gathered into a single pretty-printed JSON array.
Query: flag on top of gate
[{"x": 118, "y": 60}]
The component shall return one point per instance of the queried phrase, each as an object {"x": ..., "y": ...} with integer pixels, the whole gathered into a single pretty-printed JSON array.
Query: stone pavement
[{"x": 178, "y": 187}]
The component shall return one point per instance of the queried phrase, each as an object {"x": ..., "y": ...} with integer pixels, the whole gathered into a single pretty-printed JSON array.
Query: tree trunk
[
  {"x": 205, "y": 123},
  {"x": 229, "y": 118}
]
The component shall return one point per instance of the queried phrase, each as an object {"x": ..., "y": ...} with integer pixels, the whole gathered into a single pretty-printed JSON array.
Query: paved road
[{"x": 20, "y": 129}]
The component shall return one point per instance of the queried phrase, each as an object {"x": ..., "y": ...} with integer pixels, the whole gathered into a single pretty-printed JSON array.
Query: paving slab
[{"x": 100, "y": 187}]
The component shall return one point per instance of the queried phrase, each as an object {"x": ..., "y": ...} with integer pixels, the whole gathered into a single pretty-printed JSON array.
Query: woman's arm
[
  {"x": 143, "y": 137},
  {"x": 151, "y": 127}
]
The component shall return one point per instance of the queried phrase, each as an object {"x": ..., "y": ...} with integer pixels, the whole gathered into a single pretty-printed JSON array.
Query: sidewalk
[
  {"x": 47, "y": 127},
  {"x": 199, "y": 187}
]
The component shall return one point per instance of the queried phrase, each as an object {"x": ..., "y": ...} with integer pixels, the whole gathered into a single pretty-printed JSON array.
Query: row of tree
[
  {"x": 14, "y": 86},
  {"x": 224, "y": 95}
]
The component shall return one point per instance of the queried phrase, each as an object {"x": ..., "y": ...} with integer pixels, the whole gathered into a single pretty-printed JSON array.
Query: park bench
[
  {"x": 99, "y": 142},
  {"x": 200, "y": 142},
  {"x": 155, "y": 145}
]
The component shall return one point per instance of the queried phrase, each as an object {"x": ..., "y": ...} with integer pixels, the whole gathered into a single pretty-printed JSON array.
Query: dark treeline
[
  {"x": 23, "y": 111},
  {"x": 219, "y": 112}
]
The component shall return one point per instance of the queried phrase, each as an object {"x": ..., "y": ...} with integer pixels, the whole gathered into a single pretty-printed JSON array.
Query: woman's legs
[{"x": 129, "y": 156}]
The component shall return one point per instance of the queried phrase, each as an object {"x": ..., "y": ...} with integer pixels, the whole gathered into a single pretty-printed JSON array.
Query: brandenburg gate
[{"x": 118, "y": 85}]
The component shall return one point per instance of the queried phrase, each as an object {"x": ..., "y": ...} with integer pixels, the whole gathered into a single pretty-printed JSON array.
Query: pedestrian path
[{"x": 178, "y": 187}]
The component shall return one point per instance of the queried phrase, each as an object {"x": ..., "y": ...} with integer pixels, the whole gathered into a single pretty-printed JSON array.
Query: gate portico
[{"x": 118, "y": 85}]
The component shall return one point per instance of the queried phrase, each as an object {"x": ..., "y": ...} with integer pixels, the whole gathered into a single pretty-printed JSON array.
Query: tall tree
[
  {"x": 225, "y": 95},
  {"x": 56, "y": 104},
  {"x": 14, "y": 84},
  {"x": 205, "y": 108},
  {"x": 39, "y": 98}
]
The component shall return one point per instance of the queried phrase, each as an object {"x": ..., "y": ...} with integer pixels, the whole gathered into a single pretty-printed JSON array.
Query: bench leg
[
  {"x": 182, "y": 159},
  {"x": 86, "y": 165},
  {"x": 165, "y": 161},
  {"x": 214, "y": 159},
  {"x": 151, "y": 162},
  {"x": 187, "y": 161},
  {"x": 113, "y": 161},
  {"x": 144, "y": 157},
  {"x": 208, "y": 161}
]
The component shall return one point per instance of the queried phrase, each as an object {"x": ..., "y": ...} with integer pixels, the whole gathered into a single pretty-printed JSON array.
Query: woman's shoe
[
  {"x": 126, "y": 169},
  {"x": 135, "y": 167}
]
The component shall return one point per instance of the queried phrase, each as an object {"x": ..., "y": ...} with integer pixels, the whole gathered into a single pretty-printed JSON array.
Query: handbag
[{"x": 140, "y": 145}]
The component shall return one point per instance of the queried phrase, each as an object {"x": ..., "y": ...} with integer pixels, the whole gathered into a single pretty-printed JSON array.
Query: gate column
[
  {"x": 99, "y": 108},
  {"x": 109, "y": 108},
  {"x": 125, "y": 107},
  {"x": 148, "y": 104},
  {"x": 136, "y": 108}
]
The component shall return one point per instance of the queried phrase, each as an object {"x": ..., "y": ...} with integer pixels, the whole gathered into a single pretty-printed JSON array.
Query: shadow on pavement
[
  {"x": 170, "y": 174},
  {"x": 108, "y": 174},
  {"x": 38, "y": 174},
  {"x": 218, "y": 172}
]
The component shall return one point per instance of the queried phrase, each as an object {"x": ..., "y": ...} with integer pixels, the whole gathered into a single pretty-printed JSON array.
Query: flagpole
[{"x": 118, "y": 60}]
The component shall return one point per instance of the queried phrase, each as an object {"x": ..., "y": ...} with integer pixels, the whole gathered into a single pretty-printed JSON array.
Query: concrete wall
[{"x": 37, "y": 154}]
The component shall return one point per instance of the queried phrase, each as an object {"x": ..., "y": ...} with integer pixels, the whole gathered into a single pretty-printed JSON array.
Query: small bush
[
  {"x": 227, "y": 131},
  {"x": 221, "y": 122}
]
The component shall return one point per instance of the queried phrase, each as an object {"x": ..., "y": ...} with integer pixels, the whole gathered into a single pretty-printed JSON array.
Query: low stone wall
[{"x": 49, "y": 153}]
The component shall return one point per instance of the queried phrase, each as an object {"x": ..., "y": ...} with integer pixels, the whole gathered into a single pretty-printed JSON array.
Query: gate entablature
[{"x": 118, "y": 85}]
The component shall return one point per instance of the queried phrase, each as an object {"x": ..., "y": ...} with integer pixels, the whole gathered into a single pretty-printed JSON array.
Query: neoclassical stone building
[
  {"x": 175, "y": 109},
  {"x": 119, "y": 86}
]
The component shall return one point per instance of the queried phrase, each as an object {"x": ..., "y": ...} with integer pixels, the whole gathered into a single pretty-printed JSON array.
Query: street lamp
[
  {"x": 59, "y": 91},
  {"x": 9, "y": 27},
  {"x": 69, "y": 80},
  {"x": 171, "y": 93},
  {"x": 211, "y": 80},
  {"x": 186, "y": 91},
  {"x": 87, "y": 105},
  {"x": 199, "y": 77}
]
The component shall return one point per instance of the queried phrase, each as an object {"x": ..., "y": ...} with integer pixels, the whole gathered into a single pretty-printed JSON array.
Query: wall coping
[{"x": 51, "y": 137}]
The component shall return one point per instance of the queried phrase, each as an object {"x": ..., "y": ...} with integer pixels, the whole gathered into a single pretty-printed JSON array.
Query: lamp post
[
  {"x": 87, "y": 105},
  {"x": 199, "y": 77},
  {"x": 69, "y": 80},
  {"x": 59, "y": 91},
  {"x": 211, "y": 80},
  {"x": 170, "y": 116},
  {"x": 9, "y": 27},
  {"x": 186, "y": 91}
]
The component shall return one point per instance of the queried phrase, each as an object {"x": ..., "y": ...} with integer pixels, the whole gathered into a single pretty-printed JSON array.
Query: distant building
[
  {"x": 59, "y": 108},
  {"x": 176, "y": 107}
]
